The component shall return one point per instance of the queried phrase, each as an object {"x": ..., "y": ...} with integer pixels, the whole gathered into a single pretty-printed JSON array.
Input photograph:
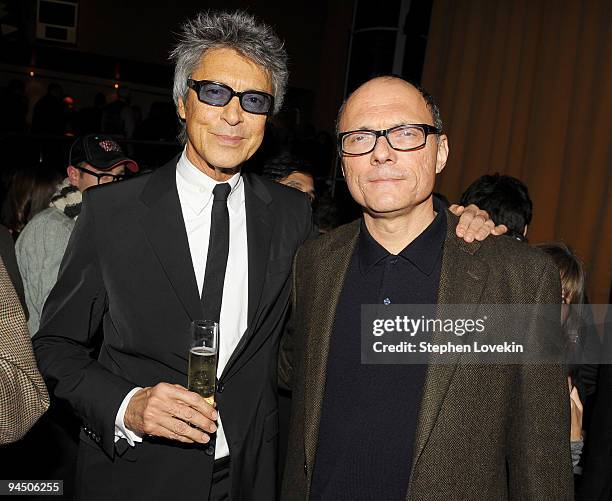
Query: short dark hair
[
  {"x": 282, "y": 165},
  {"x": 505, "y": 198}
]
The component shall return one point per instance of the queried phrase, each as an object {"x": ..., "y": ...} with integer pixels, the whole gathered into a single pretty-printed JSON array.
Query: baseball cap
[{"x": 100, "y": 151}]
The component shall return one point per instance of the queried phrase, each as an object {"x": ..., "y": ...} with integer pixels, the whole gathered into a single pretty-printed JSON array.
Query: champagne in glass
[{"x": 203, "y": 352}]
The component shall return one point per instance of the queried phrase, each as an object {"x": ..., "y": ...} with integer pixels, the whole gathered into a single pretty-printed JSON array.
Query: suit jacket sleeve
[
  {"x": 23, "y": 395},
  {"x": 64, "y": 343},
  {"x": 287, "y": 355},
  {"x": 539, "y": 460}
]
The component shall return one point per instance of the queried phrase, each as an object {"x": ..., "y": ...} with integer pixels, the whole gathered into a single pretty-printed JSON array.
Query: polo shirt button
[{"x": 387, "y": 301}]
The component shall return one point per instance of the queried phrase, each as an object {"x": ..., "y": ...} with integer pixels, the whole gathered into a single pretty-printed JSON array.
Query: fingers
[
  {"x": 500, "y": 229},
  {"x": 575, "y": 398},
  {"x": 474, "y": 224},
  {"x": 485, "y": 230},
  {"x": 457, "y": 210},
  {"x": 172, "y": 411},
  {"x": 194, "y": 400},
  {"x": 190, "y": 415},
  {"x": 176, "y": 429}
]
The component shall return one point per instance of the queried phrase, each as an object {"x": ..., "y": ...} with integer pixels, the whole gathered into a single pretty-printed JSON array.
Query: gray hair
[
  {"x": 431, "y": 103},
  {"x": 237, "y": 30}
]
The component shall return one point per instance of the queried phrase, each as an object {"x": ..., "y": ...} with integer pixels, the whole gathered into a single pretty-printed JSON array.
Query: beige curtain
[{"x": 525, "y": 89}]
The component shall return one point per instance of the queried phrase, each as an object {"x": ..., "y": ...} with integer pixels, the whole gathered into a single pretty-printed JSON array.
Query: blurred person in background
[
  {"x": 572, "y": 297},
  {"x": 94, "y": 159},
  {"x": 290, "y": 171},
  {"x": 505, "y": 198},
  {"x": 14, "y": 106},
  {"x": 23, "y": 394},
  {"x": 90, "y": 118},
  {"x": 48, "y": 113},
  {"x": 29, "y": 192},
  {"x": 118, "y": 116}
]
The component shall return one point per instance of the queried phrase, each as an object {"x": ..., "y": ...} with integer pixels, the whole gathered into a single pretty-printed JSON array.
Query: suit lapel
[
  {"x": 259, "y": 235},
  {"x": 327, "y": 279},
  {"x": 462, "y": 280},
  {"x": 165, "y": 229},
  {"x": 260, "y": 224}
]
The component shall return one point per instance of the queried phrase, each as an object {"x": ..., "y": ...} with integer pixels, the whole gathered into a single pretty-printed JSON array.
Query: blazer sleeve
[
  {"x": 64, "y": 344},
  {"x": 23, "y": 395},
  {"x": 539, "y": 460},
  {"x": 287, "y": 355}
]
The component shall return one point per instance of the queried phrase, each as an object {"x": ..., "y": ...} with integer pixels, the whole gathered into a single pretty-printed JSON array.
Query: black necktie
[{"x": 218, "y": 249}]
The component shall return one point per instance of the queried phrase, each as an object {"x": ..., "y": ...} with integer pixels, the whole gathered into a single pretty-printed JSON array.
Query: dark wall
[{"x": 315, "y": 32}]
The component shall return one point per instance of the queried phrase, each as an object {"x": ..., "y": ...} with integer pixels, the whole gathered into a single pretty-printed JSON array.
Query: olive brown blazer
[{"x": 485, "y": 432}]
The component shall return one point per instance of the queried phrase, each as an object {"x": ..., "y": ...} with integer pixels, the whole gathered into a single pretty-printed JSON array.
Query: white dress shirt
[{"x": 195, "y": 191}]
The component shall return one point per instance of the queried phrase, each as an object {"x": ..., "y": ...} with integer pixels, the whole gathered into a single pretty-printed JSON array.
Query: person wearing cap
[{"x": 94, "y": 160}]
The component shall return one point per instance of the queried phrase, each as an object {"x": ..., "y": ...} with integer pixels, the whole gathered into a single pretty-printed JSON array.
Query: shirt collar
[
  {"x": 423, "y": 252},
  {"x": 197, "y": 188}
]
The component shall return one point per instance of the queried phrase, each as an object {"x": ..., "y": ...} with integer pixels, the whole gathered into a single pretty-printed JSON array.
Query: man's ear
[
  {"x": 181, "y": 108},
  {"x": 73, "y": 175},
  {"x": 442, "y": 154}
]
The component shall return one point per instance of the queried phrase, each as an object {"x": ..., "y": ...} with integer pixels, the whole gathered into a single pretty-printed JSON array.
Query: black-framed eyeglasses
[
  {"x": 407, "y": 137},
  {"x": 218, "y": 94},
  {"x": 102, "y": 178}
]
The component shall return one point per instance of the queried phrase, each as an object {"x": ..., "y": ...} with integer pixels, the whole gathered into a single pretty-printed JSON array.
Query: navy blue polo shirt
[{"x": 370, "y": 412}]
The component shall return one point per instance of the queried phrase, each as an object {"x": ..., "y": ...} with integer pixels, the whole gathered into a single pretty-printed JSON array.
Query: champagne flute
[{"x": 203, "y": 356}]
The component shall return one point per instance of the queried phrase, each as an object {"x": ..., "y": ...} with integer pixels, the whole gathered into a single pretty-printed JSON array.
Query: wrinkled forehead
[{"x": 383, "y": 103}]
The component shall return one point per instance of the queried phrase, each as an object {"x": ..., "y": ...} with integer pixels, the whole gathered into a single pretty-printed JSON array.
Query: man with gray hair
[{"x": 195, "y": 240}]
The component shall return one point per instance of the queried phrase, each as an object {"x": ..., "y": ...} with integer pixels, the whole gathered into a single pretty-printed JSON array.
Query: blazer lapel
[
  {"x": 462, "y": 280},
  {"x": 260, "y": 224},
  {"x": 165, "y": 229},
  {"x": 328, "y": 280}
]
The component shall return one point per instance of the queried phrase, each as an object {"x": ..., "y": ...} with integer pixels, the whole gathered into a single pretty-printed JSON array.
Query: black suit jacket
[
  {"x": 596, "y": 483},
  {"x": 128, "y": 266}
]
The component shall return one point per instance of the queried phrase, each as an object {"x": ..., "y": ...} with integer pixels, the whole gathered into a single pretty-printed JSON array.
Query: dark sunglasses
[
  {"x": 102, "y": 177},
  {"x": 218, "y": 94}
]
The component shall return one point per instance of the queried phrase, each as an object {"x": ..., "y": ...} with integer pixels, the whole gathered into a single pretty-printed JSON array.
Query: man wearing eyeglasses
[
  {"x": 195, "y": 240},
  {"x": 93, "y": 160},
  {"x": 430, "y": 431}
]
